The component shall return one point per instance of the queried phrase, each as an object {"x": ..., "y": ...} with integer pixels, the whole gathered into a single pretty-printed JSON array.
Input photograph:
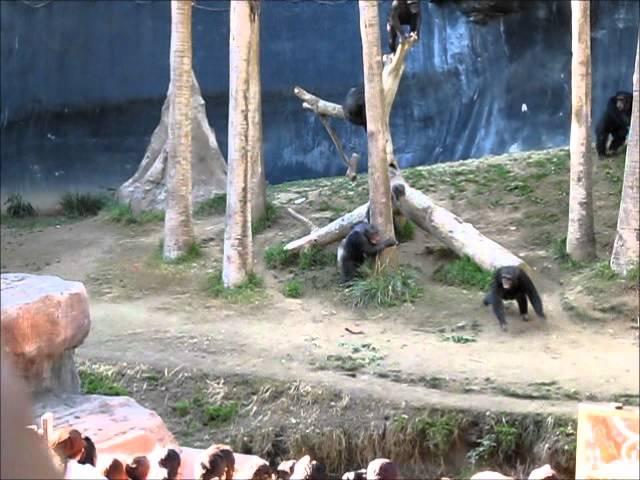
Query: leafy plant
[
  {"x": 463, "y": 272},
  {"x": 82, "y": 204},
  {"x": 17, "y": 207},
  {"x": 293, "y": 289},
  {"x": 384, "y": 289}
]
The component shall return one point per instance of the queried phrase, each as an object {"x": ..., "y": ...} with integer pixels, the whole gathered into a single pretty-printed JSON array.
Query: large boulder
[
  {"x": 119, "y": 426},
  {"x": 43, "y": 319}
]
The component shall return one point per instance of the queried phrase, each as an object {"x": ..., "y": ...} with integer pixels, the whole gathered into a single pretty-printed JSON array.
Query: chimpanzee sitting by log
[{"x": 362, "y": 242}]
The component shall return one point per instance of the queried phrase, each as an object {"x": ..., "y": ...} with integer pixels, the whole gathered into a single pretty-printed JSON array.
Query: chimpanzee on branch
[
  {"x": 403, "y": 12},
  {"x": 512, "y": 283},
  {"x": 615, "y": 122},
  {"x": 362, "y": 242},
  {"x": 354, "y": 108}
]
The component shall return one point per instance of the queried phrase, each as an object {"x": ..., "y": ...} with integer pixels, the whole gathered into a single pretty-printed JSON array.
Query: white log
[
  {"x": 460, "y": 236},
  {"x": 336, "y": 230},
  {"x": 302, "y": 219}
]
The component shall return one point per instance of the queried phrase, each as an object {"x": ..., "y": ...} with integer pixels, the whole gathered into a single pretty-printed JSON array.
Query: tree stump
[{"x": 147, "y": 190}]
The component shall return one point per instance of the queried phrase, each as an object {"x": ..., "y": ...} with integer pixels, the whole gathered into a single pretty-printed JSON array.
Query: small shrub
[
  {"x": 270, "y": 216},
  {"x": 315, "y": 257},
  {"x": 17, "y": 207},
  {"x": 276, "y": 257},
  {"x": 217, "y": 415},
  {"x": 437, "y": 431},
  {"x": 603, "y": 271},
  {"x": 182, "y": 408},
  {"x": 98, "y": 383},
  {"x": 293, "y": 289},
  {"x": 463, "y": 272},
  {"x": 119, "y": 212},
  {"x": 406, "y": 231},
  {"x": 559, "y": 253},
  {"x": 82, "y": 204},
  {"x": 384, "y": 289},
  {"x": 248, "y": 291},
  {"x": 633, "y": 274},
  {"x": 193, "y": 253},
  {"x": 216, "y": 205}
]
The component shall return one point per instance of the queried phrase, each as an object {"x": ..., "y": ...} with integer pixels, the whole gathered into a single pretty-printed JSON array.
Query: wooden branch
[
  {"x": 393, "y": 70},
  {"x": 304, "y": 220},
  {"x": 352, "y": 163},
  {"x": 317, "y": 105},
  {"x": 336, "y": 230},
  {"x": 460, "y": 236}
]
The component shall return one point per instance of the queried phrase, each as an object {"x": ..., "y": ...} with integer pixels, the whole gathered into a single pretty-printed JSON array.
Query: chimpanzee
[
  {"x": 138, "y": 469},
  {"x": 89, "y": 455},
  {"x": 512, "y": 283},
  {"x": 403, "y": 12},
  {"x": 363, "y": 241},
  {"x": 354, "y": 108},
  {"x": 218, "y": 461},
  {"x": 615, "y": 121},
  {"x": 171, "y": 463}
]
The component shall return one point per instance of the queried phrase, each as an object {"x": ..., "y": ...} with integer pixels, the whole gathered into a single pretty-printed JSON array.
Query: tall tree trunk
[
  {"x": 581, "y": 244},
  {"x": 238, "y": 251},
  {"x": 178, "y": 223},
  {"x": 378, "y": 134},
  {"x": 256, "y": 159},
  {"x": 626, "y": 248}
]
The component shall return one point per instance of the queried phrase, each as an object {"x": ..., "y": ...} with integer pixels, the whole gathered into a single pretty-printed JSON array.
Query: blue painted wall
[{"x": 82, "y": 83}]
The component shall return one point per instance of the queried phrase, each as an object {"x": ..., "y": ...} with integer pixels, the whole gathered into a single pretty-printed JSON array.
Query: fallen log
[
  {"x": 302, "y": 219},
  {"x": 333, "y": 232}
]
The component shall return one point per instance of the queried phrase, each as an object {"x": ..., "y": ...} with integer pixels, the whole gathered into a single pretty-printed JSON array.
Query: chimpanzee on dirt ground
[
  {"x": 171, "y": 463},
  {"x": 512, "y": 283},
  {"x": 615, "y": 121},
  {"x": 403, "y": 12},
  {"x": 363, "y": 241},
  {"x": 354, "y": 108}
]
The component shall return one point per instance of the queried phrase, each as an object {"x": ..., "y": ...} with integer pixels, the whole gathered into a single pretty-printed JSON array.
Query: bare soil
[{"x": 161, "y": 315}]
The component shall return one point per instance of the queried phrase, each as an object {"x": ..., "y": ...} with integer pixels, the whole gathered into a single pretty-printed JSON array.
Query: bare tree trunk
[
  {"x": 626, "y": 248},
  {"x": 381, "y": 212},
  {"x": 256, "y": 160},
  {"x": 581, "y": 244},
  {"x": 178, "y": 224},
  {"x": 238, "y": 248}
]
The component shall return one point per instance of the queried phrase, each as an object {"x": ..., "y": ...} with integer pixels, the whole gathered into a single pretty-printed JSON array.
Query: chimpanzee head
[
  {"x": 507, "y": 280},
  {"x": 414, "y": 6},
  {"x": 138, "y": 469},
  {"x": 624, "y": 101}
]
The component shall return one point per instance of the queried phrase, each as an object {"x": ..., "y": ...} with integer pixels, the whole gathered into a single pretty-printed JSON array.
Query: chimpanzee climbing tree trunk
[
  {"x": 581, "y": 243},
  {"x": 256, "y": 159},
  {"x": 381, "y": 214},
  {"x": 178, "y": 224},
  {"x": 626, "y": 248},
  {"x": 238, "y": 248}
]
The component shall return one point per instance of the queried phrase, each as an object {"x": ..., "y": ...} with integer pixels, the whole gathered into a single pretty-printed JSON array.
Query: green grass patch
[
  {"x": 100, "y": 383},
  {"x": 264, "y": 222},
  {"x": 192, "y": 254},
  {"x": 75, "y": 205},
  {"x": 315, "y": 257},
  {"x": 357, "y": 357},
  {"x": 293, "y": 289},
  {"x": 383, "y": 289},
  {"x": 276, "y": 257},
  {"x": 18, "y": 207},
  {"x": 559, "y": 253},
  {"x": 119, "y": 212},
  {"x": 249, "y": 291},
  {"x": 455, "y": 338},
  {"x": 218, "y": 415},
  {"x": 405, "y": 231},
  {"x": 216, "y": 205},
  {"x": 463, "y": 272},
  {"x": 437, "y": 431},
  {"x": 499, "y": 441},
  {"x": 182, "y": 408}
]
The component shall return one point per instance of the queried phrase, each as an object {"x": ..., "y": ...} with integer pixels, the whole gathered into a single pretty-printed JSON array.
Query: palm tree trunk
[
  {"x": 178, "y": 224},
  {"x": 238, "y": 251},
  {"x": 626, "y": 248},
  {"x": 256, "y": 160},
  {"x": 378, "y": 135},
  {"x": 581, "y": 244}
]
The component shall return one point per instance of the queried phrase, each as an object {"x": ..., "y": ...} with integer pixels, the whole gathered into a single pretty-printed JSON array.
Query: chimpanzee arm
[
  {"x": 415, "y": 24},
  {"x": 527, "y": 286},
  {"x": 375, "y": 248},
  {"x": 498, "y": 309}
]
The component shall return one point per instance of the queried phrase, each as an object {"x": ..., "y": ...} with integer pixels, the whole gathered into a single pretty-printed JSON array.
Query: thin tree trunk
[
  {"x": 238, "y": 252},
  {"x": 256, "y": 159},
  {"x": 178, "y": 224},
  {"x": 626, "y": 248},
  {"x": 377, "y": 127},
  {"x": 581, "y": 244}
]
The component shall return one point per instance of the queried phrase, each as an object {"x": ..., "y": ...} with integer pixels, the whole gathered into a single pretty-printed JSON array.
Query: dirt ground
[{"x": 147, "y": 312}]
